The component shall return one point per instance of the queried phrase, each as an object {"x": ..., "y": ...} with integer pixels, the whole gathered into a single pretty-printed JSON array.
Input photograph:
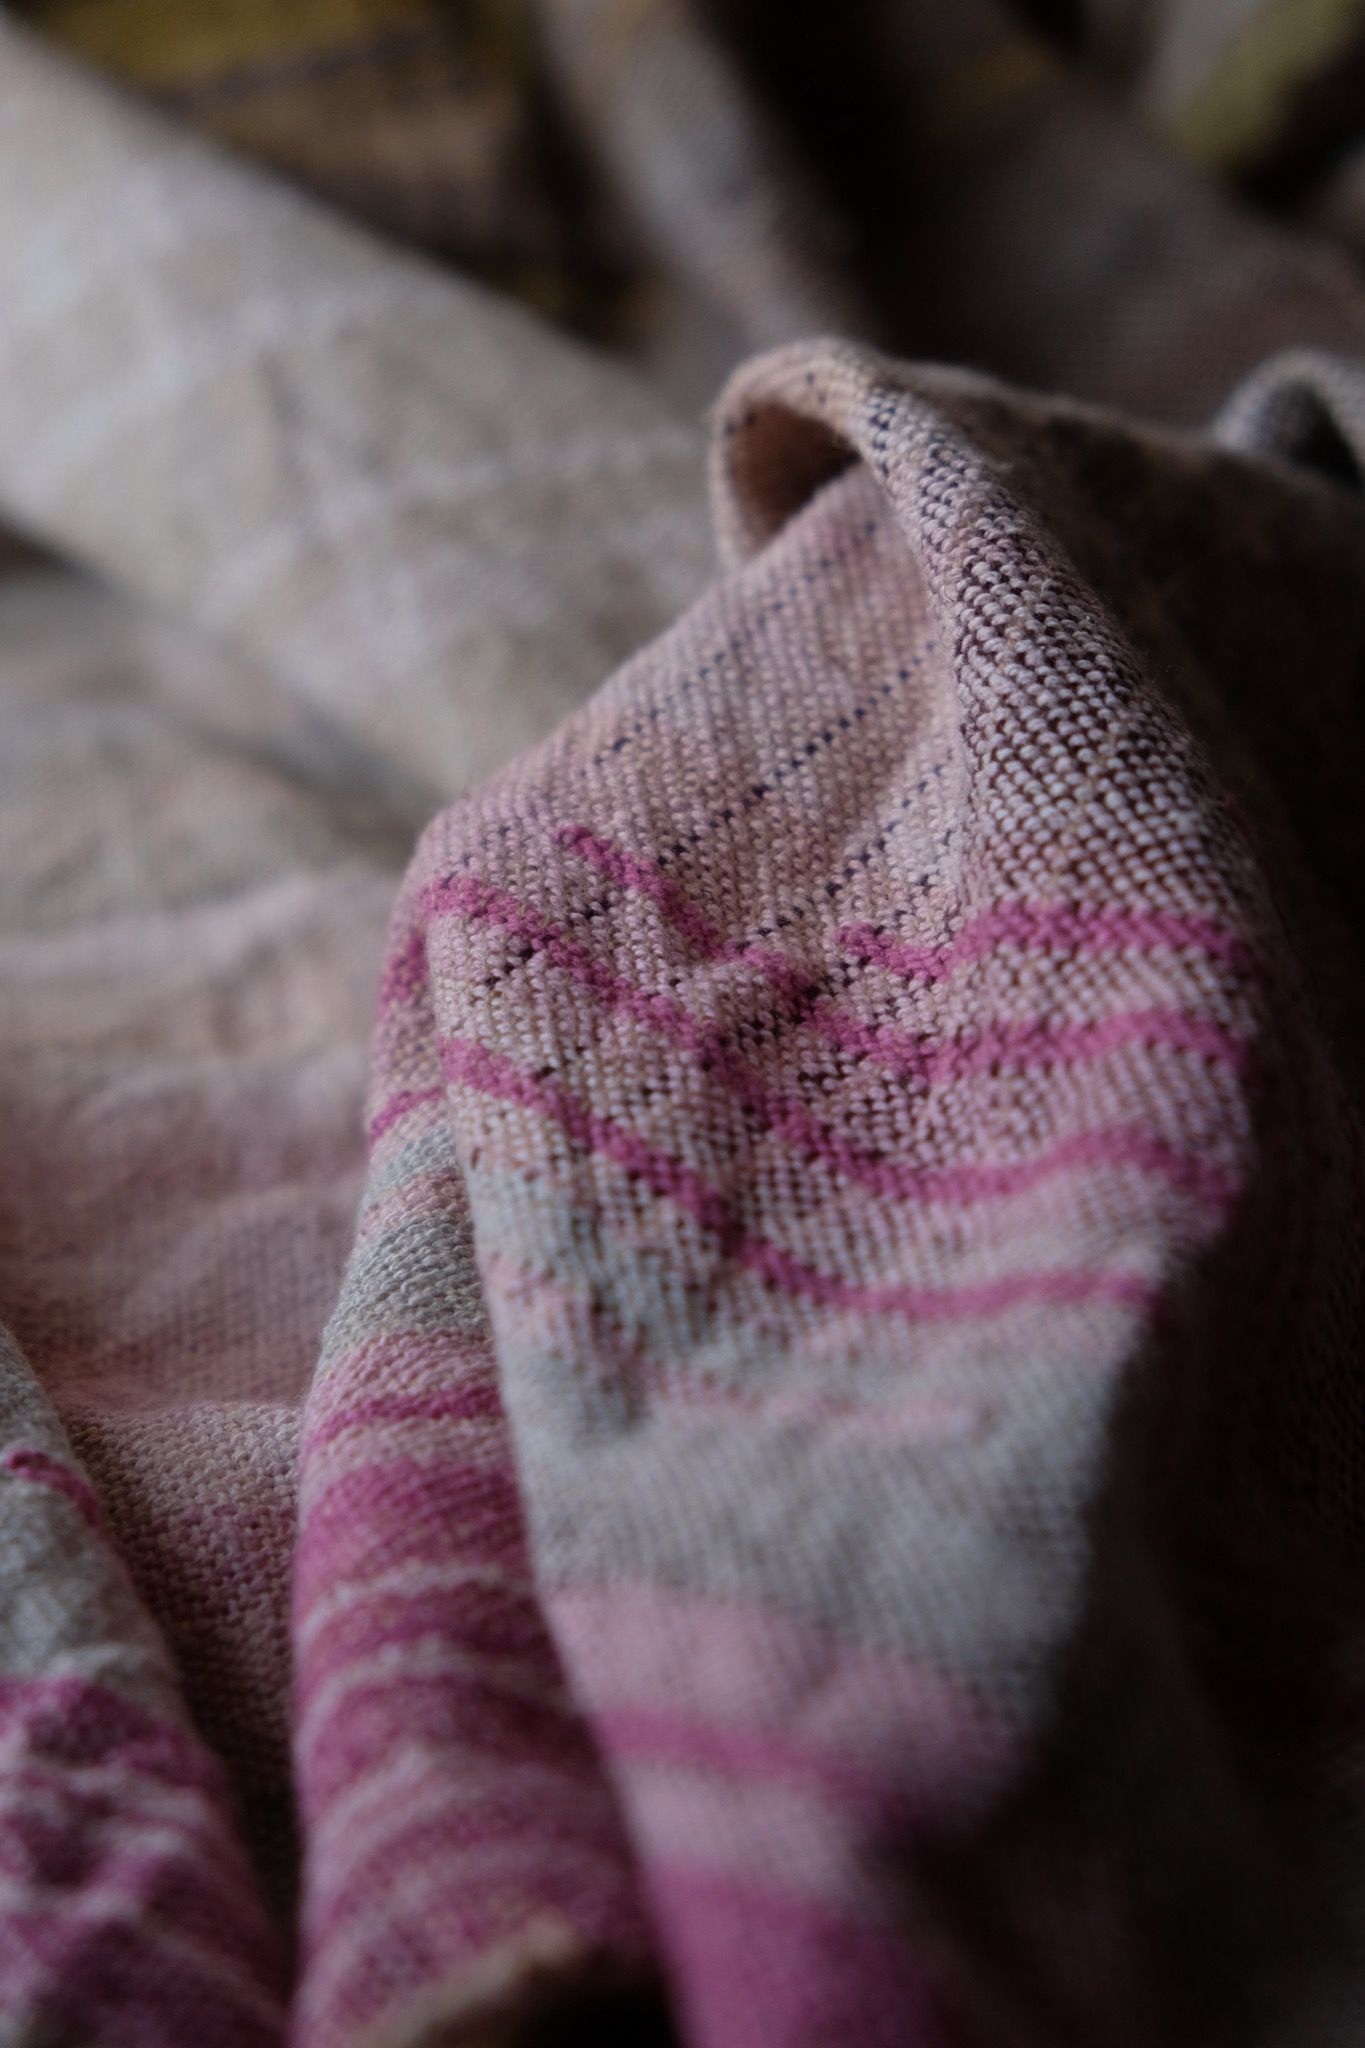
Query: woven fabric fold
[
  {"x": 128, "y": 1911},
  {"x": 880, "y": 1074}
]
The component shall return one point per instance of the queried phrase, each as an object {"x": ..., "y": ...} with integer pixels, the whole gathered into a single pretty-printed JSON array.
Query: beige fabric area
[{"x": 411, "y": 528}]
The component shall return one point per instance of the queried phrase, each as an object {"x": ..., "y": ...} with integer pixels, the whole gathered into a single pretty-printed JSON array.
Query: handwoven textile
[
  {"x": 680, "y": 1256},
  {"x": 245, "y": 414},
  {"x": 865, "y": 1064}
]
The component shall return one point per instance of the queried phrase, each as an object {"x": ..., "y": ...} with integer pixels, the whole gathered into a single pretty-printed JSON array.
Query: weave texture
[{"x": 867, "y": 1066}]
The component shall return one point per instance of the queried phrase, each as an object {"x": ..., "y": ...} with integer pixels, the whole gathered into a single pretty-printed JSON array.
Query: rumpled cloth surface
[{"x": 721, "y": 1407}]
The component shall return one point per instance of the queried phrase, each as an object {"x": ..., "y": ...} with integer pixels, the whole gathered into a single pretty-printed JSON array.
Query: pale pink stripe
[
  {"x": 762, "y": 1829},
  {"x": 25, "y": 1462},
  {"x": 916, "y": 1420},
  {"x": 659, "y": 1735},
  {"x": 1065, "y": 926},
  {"x": 489, "y": 1073},
  {"x": 789, "y": 1120},
  {"x": 444, "y": 1493},
  {"x": 634, "y": 1643}
]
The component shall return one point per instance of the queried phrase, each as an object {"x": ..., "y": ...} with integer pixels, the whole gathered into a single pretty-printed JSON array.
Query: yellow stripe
[
  {"x": 169, "y": 42},
  {"x": 1236, "y": 112}
]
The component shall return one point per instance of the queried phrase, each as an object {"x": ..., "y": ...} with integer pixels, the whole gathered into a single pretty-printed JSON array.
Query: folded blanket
[{"x": 827, "y": 1501}]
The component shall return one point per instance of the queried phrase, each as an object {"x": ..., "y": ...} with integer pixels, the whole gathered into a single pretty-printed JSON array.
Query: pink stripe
[
  {"x": 67, "y": 1723},
  {"x": 644, "y": 878},
  {"x": 1031, "y": 1043},
  {"x": 658, "y": 1736},
  {"x": 98, "y": 1983},
  {"x": 490, "y": 1074},
  {"x": 1021, "y": 1044},
  {"x": 25, "y": 1462},
  {"x": 399, "y": 1106},
  {"x": 397, "y": 1939},
  {"x": 792, "y": 1122},
  {"x": 476, "y": 1402},
  {"x": 407, "y": 1511},
  {"x": 803, "y": 1973},
  {"x": 444, "y": 1713},
  {"x": 1065, "y": 926},
  {"x": 405, "y": 974},
  {"x": 444, "y": 1844}
]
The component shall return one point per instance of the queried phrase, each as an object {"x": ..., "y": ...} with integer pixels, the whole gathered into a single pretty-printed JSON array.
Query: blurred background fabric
[{"x": 682, "y": 179}]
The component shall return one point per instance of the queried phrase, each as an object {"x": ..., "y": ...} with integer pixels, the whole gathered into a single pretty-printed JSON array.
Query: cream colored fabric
[{"x": 402, "y": 529}]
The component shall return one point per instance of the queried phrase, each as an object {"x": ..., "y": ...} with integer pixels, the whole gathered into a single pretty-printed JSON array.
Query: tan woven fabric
[{"x": 368, "y": 494}]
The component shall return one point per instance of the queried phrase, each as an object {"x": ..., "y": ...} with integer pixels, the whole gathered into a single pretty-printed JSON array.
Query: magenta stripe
[
  {"x": 446, "y": 1842},
  {"x": 488, "y": 1073},
  {"x": 1035, "y": 1042},
  {"x": 26, "y": 1462},
  {"x": 399, "y": 1106},
  {"x": 1065, "y": 926},
  {"x": 441, "y": 1492},
  {"x": 644, "y": 878},
  {"x": 790, "y": 1121},
  {"x": 405, "y": 974},
  {"x": 475, "y": 1402},
  {"x": 87, "y": 1800},
  {"x": 101, "y": 1984},
  {"x": 406, "y": 1511},
  {"x": 446, "y": 1714},
  {"x": 184, "y": 1884},
  {"x": 1062, "y": 925},
  {"x": 486, "y": 1620},
  {"x": 70, "y": 1722}
]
